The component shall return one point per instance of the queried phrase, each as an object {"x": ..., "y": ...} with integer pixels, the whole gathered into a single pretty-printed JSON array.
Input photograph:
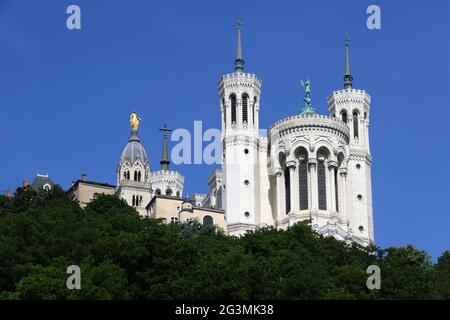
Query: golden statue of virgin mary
[{"x": 134, "y": 122}]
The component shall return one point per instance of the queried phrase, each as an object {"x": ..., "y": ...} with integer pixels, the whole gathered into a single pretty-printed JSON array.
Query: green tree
[
  {"x": 406, "y": 273},
  {"x": 125, "y": 256},
  {"x": 441, "y": 276}
]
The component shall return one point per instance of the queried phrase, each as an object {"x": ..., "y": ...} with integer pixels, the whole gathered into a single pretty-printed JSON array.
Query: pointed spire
[
  {"x": 239, "y": 62},
  {"x": 165, "y": 158},
  {"x": 348, "y": 79}
]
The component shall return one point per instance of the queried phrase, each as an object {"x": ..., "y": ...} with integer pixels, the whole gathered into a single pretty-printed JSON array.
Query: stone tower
[
  {"x": 352, "y": 106},
  {"x": 133, "y": 174},
  {"x": 165, "y": 181},
  {"x": 244, "y": 169}
]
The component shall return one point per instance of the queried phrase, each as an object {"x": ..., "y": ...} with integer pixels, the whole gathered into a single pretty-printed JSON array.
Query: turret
[
  {"x": 244, "y": 156},
  {"x": 165, "y": 181},
  {"x": 352, "y": 106},
  {"x": 133, "y": 170}
]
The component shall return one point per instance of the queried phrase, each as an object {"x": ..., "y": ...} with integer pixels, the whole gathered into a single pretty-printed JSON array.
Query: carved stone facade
[{"x": 310, "y": 167}]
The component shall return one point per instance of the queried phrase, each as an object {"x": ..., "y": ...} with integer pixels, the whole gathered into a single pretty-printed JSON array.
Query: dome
[{"x": 134, "y": 151}]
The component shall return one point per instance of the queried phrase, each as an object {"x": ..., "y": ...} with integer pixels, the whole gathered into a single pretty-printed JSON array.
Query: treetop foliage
[{"x": 124, "y": 256}]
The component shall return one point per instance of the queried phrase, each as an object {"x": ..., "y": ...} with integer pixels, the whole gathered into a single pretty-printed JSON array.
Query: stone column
[
  {"x": 332, "y": 166},
  {"x": 292, "y": 178},
  {"x": 280, "y": 197},
  {"x": 362, "y": 130},
  {"x": 224, "y": 123},
  {"x": 239, "y": 113},
  {"x": 228, "y": 115},
  {"x": 256, "y": 116},
  {"x": 314, "y": 196},
  {"x": 350, "y": 125},
  {"x": 343, "y": 193},
  {"x": 250, "y": 114},
  {"x": 225, "y": 118},
  {"x": 367, "y": 135}
]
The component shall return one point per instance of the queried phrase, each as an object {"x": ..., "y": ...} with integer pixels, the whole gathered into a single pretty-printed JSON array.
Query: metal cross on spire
[
  {"x": 348, "y": 79},
  {"x": 239, "y": 62},
  {"x": 239, "y": 24},
  {"x": 346, "y": 39},
  {"x": 165, "y": 157}
]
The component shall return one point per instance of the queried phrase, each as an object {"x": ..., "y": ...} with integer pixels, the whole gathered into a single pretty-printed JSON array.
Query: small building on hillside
[
  {"x": 177, "y": 209},
  {"x": 85, "y": 191}
]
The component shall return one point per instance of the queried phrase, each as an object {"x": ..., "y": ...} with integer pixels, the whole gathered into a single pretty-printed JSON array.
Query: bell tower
[
  {"x": 239, "y": 95},
  {"x": 352, "y": 106},
  {"x": 133, "y": 171},
  {"x": 239, "y": 104}
]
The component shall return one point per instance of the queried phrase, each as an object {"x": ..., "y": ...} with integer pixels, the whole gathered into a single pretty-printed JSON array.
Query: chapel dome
[{"x": 134, "y": 151}]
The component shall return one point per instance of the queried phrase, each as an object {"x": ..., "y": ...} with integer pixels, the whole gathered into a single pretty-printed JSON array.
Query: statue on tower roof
[
  {"x": 134, "y": 122},
  {"x": 308, "y": 108}
]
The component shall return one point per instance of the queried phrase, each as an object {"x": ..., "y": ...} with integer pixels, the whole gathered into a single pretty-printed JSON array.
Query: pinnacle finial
[
  {"x": 348, "y": 78},
  {"x": 165, "y": 159},
  {"x": 239, "y": 62}
]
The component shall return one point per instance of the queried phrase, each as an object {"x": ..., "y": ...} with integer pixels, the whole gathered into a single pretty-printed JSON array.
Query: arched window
[
  {"x": 140, "y": 200},
  {"x": 245, "y": 108},
  {"x": 124, "y": 175},
  {"x": 233, "y": 108},
  {"x": 135, "y": 176},
  {"x": 139, "y": 176},
  {"x": 168, "y": 192},
  {"x": 344, "y": 116},
  {"x": 301, "y": 154},
  {"x": 287, "y": 187},
  {"x": 178, "y": 193},
  {"x": 303, "y": 184},
  {"x": 355, "y": 125},
  {"x": 158, "y": 191},
  {"x": 134, "y": 201},
  {"x": 128, "y": 175},
  {"x": 321, "y": 185},
  {"x": 208, "y": 220}
]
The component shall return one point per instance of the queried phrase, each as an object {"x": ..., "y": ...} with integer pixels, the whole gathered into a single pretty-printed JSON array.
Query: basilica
[{"x": 308, "y": 166}]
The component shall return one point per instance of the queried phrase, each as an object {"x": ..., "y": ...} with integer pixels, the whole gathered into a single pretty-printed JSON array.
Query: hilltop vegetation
[{"x": 123, "y": 256}]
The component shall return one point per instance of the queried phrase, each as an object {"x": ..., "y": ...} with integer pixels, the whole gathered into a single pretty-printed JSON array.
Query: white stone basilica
[{"x": 309, "y": 166}]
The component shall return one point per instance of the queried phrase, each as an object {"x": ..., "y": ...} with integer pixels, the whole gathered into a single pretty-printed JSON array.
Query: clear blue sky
[{"x": 66, "y": 96}]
